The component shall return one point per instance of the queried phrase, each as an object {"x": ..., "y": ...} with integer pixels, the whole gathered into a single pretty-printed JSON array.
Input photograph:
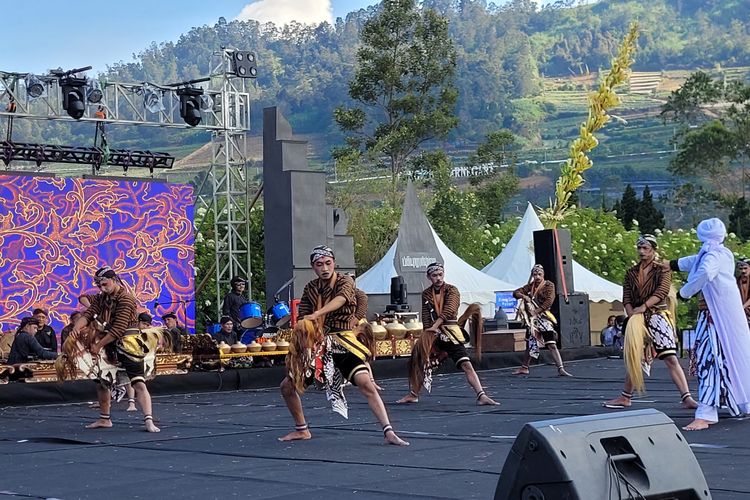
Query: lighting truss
[{"x": 48, "y": 153}]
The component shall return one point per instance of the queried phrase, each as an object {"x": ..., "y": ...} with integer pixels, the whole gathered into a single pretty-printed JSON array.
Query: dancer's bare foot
[
  {"x": 150, "y": 427},
  {"x": 690, "y": 404},
  {"x": 698, "y": 424},
  {"x": 100, "y": 423},
  {"x": 392, "y": 438},
  {"x": 522, "y": 370},
  {"x": 485, "y": 400},
  {"x": 618, "y": 403},
  {"x": 562, "y": 372},
  {"x": 131, "y": 407},
  {"x": 409, "y": 398},
  {"x": 297, "y": 436}
]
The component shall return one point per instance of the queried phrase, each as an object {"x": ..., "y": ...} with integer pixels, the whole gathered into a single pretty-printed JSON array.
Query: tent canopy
[
  {"x": 515, "y": 261},
  {"x": 412, "y": 257}
]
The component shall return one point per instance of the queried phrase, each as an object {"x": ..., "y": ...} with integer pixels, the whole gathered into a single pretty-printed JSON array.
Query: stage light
[
  {"x": 94, "y": 92},
  {"x": 190, "y": 105},
  {"x": 34, "y": 86},
  {"x": 152, "y": 99},
  {"x": 244, "y": 64},
  {"x": 74, "y": 93}
]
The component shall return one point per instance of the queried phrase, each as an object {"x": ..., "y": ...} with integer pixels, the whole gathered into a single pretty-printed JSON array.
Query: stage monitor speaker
[
  {"x": 398, "y": 290},
  {"x": 573, "y": 319},
  {"x": 545, "y": 253},
  {"x": 633, "y": 454}
]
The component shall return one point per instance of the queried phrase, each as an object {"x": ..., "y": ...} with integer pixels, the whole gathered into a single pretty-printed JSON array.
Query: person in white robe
[{"x": 722, "y": 335}]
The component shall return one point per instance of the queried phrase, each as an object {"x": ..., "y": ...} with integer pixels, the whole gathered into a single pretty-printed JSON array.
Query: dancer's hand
[
  {"x": 95, "y": 349},
  {"x": 312, "y": 317}
]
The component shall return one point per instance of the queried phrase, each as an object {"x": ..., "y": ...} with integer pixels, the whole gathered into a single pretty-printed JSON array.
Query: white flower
[
  {"x": 605, "y": 273},
  {"x": 582, "y": 240},
  {"x": 693, "y": 231},
  {"x": 199, "y": 238},
  {"x": 574, "y": 224},
  {"x": 208, "y": 302},
  {"x": 603, "y": 246},
  {"x": 503, "y": 245},
  {"x": 732, "y": 235},
  {"x": 487, "y": 232},
  {"x": 495, "y": 240},
  {"x": 201, "y": 211},
  {"x": 635, "y": 222},
  {"x": 596, "y": 257},
  {"x": 657, "y": 232}
]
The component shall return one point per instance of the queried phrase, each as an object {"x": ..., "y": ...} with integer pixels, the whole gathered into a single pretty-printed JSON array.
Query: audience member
[
  {"x": 607, "y": 337},
  {"x": 25, "y": 345}
]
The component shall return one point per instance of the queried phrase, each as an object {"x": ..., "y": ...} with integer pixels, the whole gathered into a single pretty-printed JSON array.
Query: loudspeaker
[
  {"x": 546, "y": 254},
  {"x": 573, "y": 319},
  {"x": 639, "y": 454},
  {"x": 398, "y": 290}
]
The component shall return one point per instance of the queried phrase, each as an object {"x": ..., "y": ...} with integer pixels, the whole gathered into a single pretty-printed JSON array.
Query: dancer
[
  {"x": 115, "y": 309},
  {"x": 644, "y": 296},
  {"x": 442, "y": 337},
  {"x": 324, "y": 349},
  {"x": 537, "y": 297},
  {"x": 722, "y": 343}
]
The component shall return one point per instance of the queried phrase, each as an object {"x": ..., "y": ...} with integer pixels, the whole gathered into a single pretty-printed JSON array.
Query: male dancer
[
  {"x": 329, "y": 301},
  {"x": 722, "y": 334},
  {"x": 116, "y": 309},
  {"x": 645, "y": 292},
  {"x": 441, "y": 338},
  {"x": 538, "y": 295}
]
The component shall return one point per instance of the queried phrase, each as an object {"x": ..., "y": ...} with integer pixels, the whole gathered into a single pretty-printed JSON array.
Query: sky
[{"x": 46, "y": 34}]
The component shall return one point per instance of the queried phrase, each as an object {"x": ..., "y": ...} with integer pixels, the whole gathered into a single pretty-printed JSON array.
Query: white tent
[
  {"x": 515, "y": 261},
  {"x": 474, "y": 285}
]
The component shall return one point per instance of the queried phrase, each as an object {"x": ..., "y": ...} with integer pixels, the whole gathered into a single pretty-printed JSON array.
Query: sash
[
  {"x": 347, "y": 338},
  {"x": 455, "y": 333}
]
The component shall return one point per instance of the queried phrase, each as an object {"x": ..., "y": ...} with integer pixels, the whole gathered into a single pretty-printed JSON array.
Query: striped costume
[
  {"x": 341, "y": 355},
  {"x": 538, "y": 319}
]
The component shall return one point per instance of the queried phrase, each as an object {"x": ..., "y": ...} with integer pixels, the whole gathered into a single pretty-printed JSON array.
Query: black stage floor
[{"x": 223, "y": 444}]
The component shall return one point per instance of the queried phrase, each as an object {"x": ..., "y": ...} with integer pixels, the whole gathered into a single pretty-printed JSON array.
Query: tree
[
  {"x": 495, "y": 190},
  {"x": 628, "y": 207},
  {"x": 649, "y": 217},
  {"x": 739, "y": 219},
  {"x": 403, "y": 85}
]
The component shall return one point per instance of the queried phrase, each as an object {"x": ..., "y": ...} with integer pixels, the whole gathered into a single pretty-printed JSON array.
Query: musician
[
  {"x": 175, "y": 330},
  {"x": 25, "y": 344},
  {"x": 233, "y": 301},
  {"x": 537, "y": 297}
]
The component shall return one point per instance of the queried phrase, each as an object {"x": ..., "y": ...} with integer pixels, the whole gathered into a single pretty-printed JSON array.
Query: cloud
[{"x": 281, "y": 12}]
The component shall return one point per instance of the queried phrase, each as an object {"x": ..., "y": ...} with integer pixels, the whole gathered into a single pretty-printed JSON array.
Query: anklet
[
  {"x": 301, "y": 427},
  {"x": 104, "y": 416},
  {"x": 626, "y": 395},
  {"x": 414, "y": 394},
  {"x": 684, "y": 396},
  {"x": 386, "y": 429},
  {"x": 480, "y": 394},
  {"x": 148, "y": 417},
  {"x": 131, "y": 400}
]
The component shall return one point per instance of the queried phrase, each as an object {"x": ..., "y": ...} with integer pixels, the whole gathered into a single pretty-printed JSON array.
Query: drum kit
[{"x": 256, "y": 323}]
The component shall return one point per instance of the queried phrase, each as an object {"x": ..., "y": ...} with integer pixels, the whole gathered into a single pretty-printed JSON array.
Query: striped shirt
[
  {"x": 543, "y": 296},
  {"x": 448, "y": 312},
  {"x": 318, "y": 293},
  {"x": 361, "y": 311},
  {"x": 119, "y": 311},
  {"x": 655, "y": 282}
]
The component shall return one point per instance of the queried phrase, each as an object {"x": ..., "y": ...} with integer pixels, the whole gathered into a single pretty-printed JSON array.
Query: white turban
[{"x": 711, "y": 231}]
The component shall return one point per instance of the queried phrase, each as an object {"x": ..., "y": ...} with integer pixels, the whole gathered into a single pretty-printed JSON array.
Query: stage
[{"x": 223, "y": 444}]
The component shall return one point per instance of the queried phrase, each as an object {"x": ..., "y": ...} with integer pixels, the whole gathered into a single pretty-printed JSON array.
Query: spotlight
[
  {"x": 152, "y": 99},
  {"x": 34, "y": 86},
  {"x": 244, "y": 64},
  {"x": 190, "y": 104},
  {"x": 94, "y": 92},
  {"x": 74, "y": 93}
]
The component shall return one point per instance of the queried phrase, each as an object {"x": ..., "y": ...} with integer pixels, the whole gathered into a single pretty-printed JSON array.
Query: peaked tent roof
[
  {"x": 515, "y": 261},
  {"x": 474, "y": 285}
]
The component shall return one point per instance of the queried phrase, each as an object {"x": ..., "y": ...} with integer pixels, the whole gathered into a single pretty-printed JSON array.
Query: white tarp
[{"x": 515, "y": 261}]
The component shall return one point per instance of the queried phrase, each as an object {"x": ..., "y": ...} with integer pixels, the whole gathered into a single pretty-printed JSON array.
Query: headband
[
  {"x": 434, "y": 267},
  {"x": 320, "y": 252},
  {"x": 537, "y": 267},
  {"x": 104, "y": 272},
  {"x": 647, "y": 239}
]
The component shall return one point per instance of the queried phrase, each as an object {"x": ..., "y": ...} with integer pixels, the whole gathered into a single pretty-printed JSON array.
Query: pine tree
[
  {"x": 649, "y": 217},
  {"x": 628, "y": 207}
]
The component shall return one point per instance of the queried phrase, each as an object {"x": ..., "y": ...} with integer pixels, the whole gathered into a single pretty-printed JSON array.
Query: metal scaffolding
[{"x": 224, "y": 110}]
